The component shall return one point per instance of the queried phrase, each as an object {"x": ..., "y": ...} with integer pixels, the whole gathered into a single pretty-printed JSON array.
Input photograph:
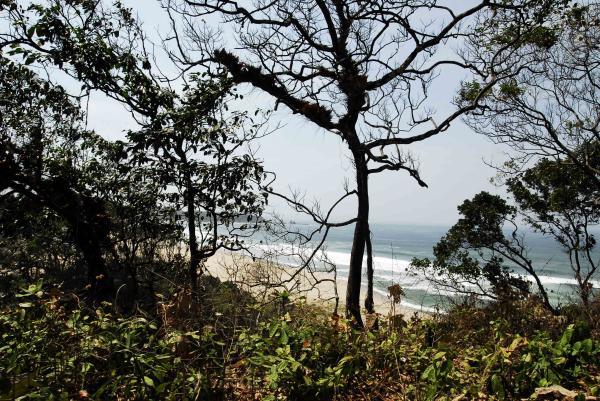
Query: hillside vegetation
[
  {"x": 227, "y": 347},
  {"x": 105, "y": 243}
]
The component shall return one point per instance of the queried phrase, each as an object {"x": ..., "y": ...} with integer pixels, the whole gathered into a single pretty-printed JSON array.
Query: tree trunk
[
  {"x": 191, "y": 213},
  {"x": 361, "y": 233},
  {"x": 369, "y": 303},
  {"x": 90, "y": 246},
  {"x": 543, "y": 293},
  {"x": 86, "y": 216},
  {"x": 585, "y": 290},
  {"x": 91, "y": 227}
]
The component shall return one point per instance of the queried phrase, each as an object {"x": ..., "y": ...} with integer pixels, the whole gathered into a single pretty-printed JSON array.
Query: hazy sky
[{"x": 308, "y": 159}]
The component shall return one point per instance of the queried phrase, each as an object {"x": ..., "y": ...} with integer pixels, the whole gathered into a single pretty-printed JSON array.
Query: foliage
[
  {"x": 554, "y": 197},
  {"x": 42, "y": 148},
  {"x": 127, "y": 352},
  {"x": 93, "y": 44},
  {"x": 547, "y": 103},
  {"x": 71, "y": 201},
  {"x": 555, "y": 190},
  {"x": 477, "y": 248},
  {"x": 196, "y": 153},
  {"x": 54, "y": 348},
  {"x": 119, "y": 203},
  {"x": 559, "y": 199}
]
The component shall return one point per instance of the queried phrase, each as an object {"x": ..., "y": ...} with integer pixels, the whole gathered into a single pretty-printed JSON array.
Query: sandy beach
[{"x": 263, "y": 278}]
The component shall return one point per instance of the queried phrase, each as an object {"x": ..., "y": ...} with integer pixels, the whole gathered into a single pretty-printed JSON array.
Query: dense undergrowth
[{"x": 55, "y": 347}]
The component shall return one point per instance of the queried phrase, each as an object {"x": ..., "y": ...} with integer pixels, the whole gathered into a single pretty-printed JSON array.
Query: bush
[{"x": 55, "y": 348}]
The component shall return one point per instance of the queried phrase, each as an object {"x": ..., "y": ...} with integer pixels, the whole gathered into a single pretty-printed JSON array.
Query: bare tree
[
  {"x": 551, "y": 108},
  {"x": 360, "y": 70}
]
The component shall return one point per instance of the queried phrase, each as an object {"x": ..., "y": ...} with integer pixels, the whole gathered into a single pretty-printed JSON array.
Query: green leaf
[
  {"x": 566, "y": 337},
  {"x": 149, "y": 382},
  {"x": 429, "y": 373},
  {"x": 439, "y": 355},
  {"x": 497, "y": 386}
]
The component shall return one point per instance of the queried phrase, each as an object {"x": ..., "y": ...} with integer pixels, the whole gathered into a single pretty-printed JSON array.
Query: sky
[{"x": 310, "y": 160}]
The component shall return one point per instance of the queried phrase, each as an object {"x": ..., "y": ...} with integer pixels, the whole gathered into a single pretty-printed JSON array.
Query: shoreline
[{"x": 262, "y": 277}]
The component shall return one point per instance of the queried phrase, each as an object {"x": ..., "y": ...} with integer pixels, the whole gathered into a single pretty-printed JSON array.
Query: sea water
[{"x": 394, "y": 246}]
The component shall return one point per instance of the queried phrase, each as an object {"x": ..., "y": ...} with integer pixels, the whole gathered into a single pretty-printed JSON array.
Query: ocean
[{"x": 394, "y": 246}]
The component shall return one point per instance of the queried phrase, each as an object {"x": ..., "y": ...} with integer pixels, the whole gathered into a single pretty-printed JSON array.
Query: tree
[
  {"x": 185, "y": 140},
  {"x": 40, "y": 132},
  {"x": 145, "y": 226},
  {"x": 195, "y": 149},
  {"x": 477, "y": 248},
  {"x": 555, "y": 198},
  {"x": 548, "y": 104},
  {"x": 64, "y": 185},
  {"x": 357, "y": 69},
  {"x": 34, "y": 241},
  {"x": 547, "y": 111}
]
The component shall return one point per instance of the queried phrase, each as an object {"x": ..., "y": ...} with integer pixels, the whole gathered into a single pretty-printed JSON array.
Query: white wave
[
  {"x": 380, "y": 263},
  {"x": 389, "y": 269},
  {"x": 554, "y": 280},
  {"x": 407, "y": 304}
]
